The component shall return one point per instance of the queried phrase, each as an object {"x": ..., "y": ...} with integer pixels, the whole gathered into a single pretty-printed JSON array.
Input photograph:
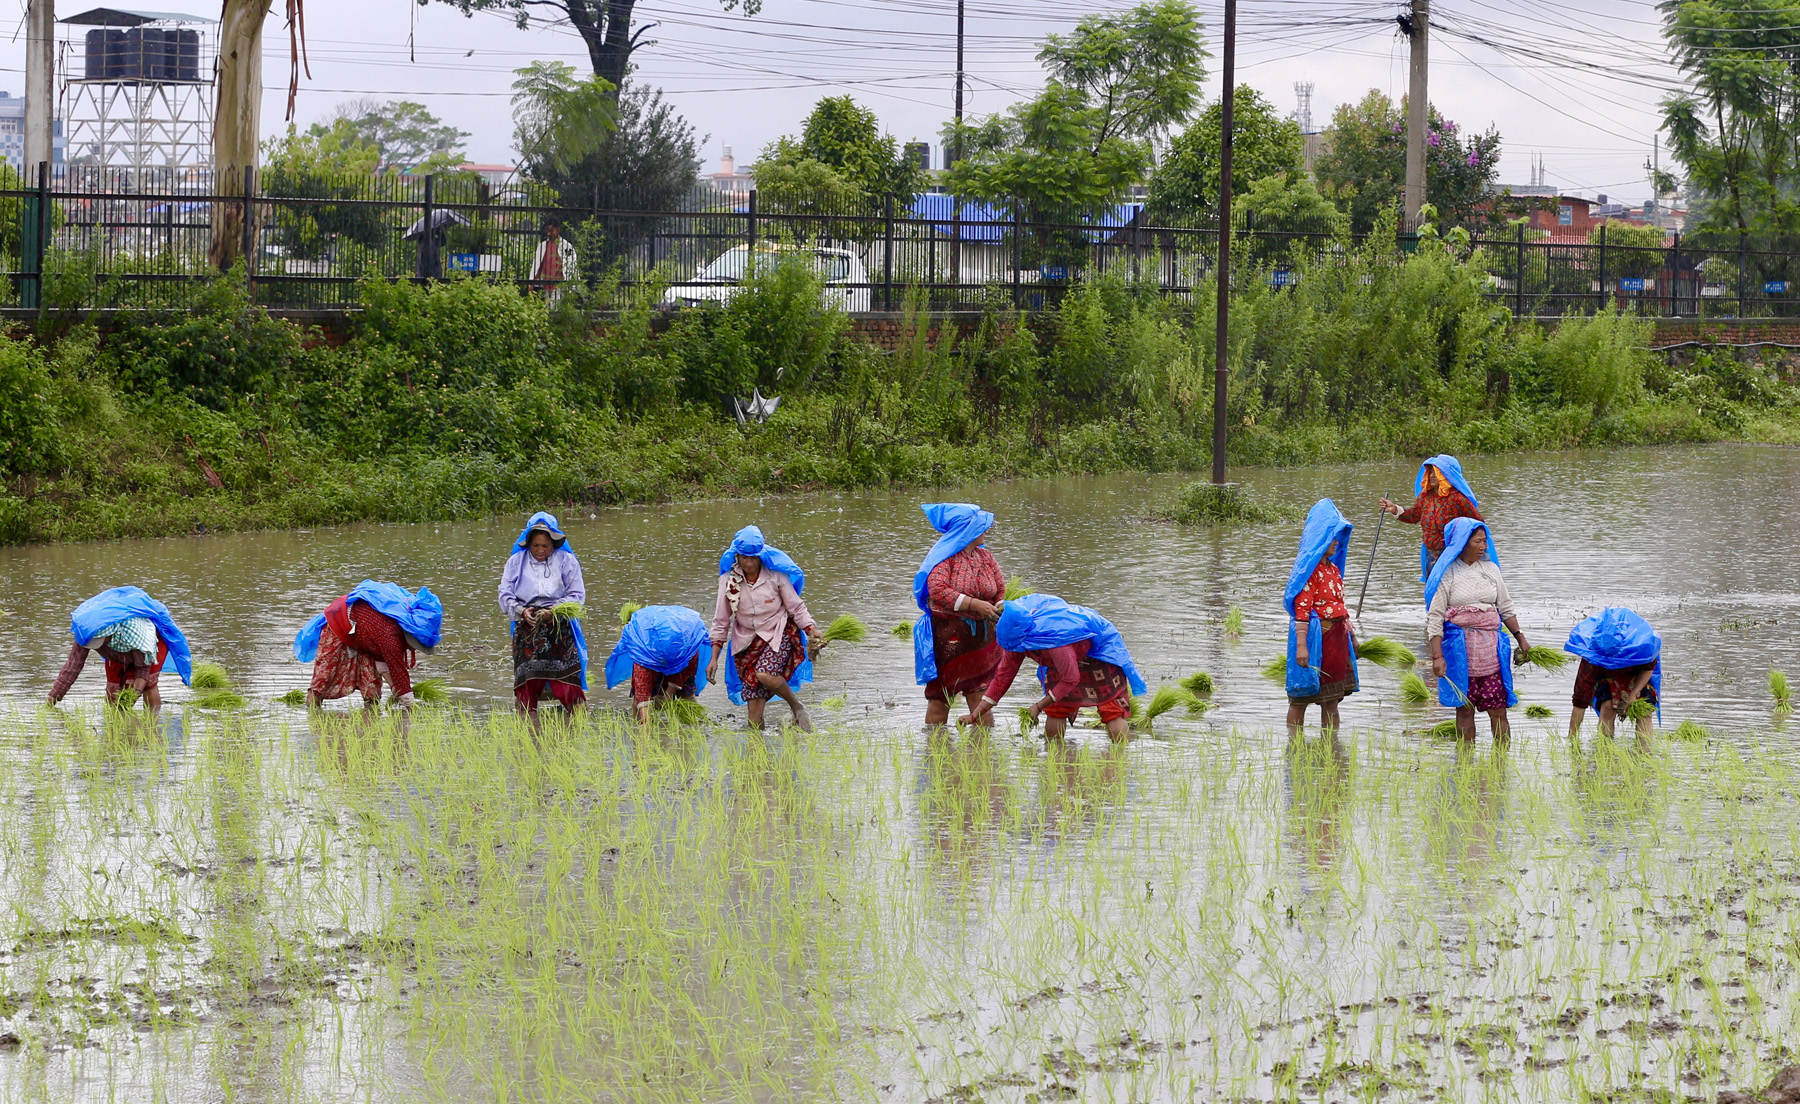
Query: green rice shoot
[
  {"x": 209, "y": 676},
  {"x": 1026, "y": 721},
  {"x": 1275, "y": 670},
  {"x": 1538, "y": 712},
  {"x": 1386, "y": 652},
  {"x": 901, "y": 631},
  {"x": 1546, "y": 659},
  {"x": 1639, "y": 709},
  {"x": 292, "y": 697},
  {"x": 1443, "y": 730},
  {"x": 1778, "y": 689},
  {"x": 847, "y": 629},
  {"x": 1196, "y": 704},
  {"x": 685, "y": 711},
  {"x": 1199, "y": 684},
  {"x": 219, "y": 698},
  {"x": 1413, "y": 689},
  {"x": 1167, "y": 697},
  {"x": 626, "y": 610},
  {"x": 574, "y": 611},
  {"x": 1234, "y": 622},
  {"x": 1016, "y": 588},
  {"x": 836, "y": 701},
  {"x": 1691, "y": 732},
  {"x": 431, "y": 691},
  {"x": 127, "y": 697}
]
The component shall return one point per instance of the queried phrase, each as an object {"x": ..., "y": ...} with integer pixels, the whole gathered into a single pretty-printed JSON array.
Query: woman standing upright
[
  {"x": 958, "y": 588},
  {"x": 1466, "y": 603},
  {"x": 134, "y": 635},
  {"x": 1321, "y": 667},
  {"x": 550, "y": 653},
  {"x": 1081, "y": 660},
  {"x": 373, "y": 634},
  {"x": 760, "y": 619},
  {"x": 1443, "y": 495}
]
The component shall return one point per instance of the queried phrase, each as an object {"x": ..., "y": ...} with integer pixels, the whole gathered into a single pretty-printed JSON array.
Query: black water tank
[
  {"x": 187, "y": 54},
  {"x": 143, "y": 54},
  {"x": 115, "y": 54},
  {"x": 96, "y": 55}
]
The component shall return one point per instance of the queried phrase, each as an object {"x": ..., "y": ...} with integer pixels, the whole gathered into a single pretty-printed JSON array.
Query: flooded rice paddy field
[{"x": 263, "y": 906}]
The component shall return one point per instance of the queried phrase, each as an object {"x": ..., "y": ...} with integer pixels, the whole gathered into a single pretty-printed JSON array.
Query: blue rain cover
[
  {"x": 961, "y": 523},
  {"x": 549, "y": 519},
  {"x": 422, "y": 615},
  {"x": 749, "y": 542},
  {"x": 556, "y": 531},
  {"x": 1456, "y": 537},
  {"x": 109, "y": 607},
  {"x": 1038, "y": 622},
  {"x": 1324, "y": 523},
  {"x": 1617, "y": 638},
  {"x": 1451, "y": 469},
  {"x": 663, "y": 638}
]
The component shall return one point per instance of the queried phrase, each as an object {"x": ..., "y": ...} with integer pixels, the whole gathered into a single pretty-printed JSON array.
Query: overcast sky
[{"x": 1577, "y": 84}]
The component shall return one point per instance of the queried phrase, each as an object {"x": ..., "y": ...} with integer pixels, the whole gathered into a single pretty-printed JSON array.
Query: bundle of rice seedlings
[
  {"x": 1443, "y": 730},
  {"x": 847, "y": 628},
  {"x": 292, "y": 697},
  {"x": 1538, "y": 712},
  {"x": 1778, "y": 687},
  {"x": 901, "y": 631},
  {"x": 1639, "y": 709},
  {"x": 1692, "y": 731},
  {"x": 1026, "y": 721},
  {"x": 575, "y": 611},
  {"x": 1384, "y": 652},
  {"x": 1200, "y": 684},
  {"x": 127, "y": 698},
  {"x": 685, "y": 711},
  {"x": 836, "y": 701},
  {"x": 209, "y": 676},
  {"x": 219, "y": 698},
  {"x": 1166, "y": 698},
  {"x": 1016, "y": 588},
  {"x": 1234, "y": 622},
  {"x": 1548, "y": 659},
  {"x": 1413, "y": 689},
  {"x": 431, "y": 691},
  {"x": 1276, "y": 669},
  {"x": 1196, "y": 704}
]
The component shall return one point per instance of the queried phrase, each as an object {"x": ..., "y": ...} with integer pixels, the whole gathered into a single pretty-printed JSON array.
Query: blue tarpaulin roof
[{"x": 982, "y": 222}]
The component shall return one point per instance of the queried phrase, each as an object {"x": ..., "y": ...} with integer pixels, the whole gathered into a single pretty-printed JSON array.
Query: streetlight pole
[
  {"x": 1418, "y": 107},
  {"x": 1222, "y": 351}
]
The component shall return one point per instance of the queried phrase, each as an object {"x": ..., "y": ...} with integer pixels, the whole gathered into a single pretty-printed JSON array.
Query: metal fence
[{"x": 89, "y": 238}]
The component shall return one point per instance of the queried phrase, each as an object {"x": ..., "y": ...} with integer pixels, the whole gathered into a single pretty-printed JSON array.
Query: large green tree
[
  {"x": 846, "y": 137},
  {"x": 404, "y": 134},
  {"x": 1363, "y": 165},
  {"x": 1264, "y": 144},
  {"x": 1118, "y": 82},
  {"x": 322, "y": 163}
]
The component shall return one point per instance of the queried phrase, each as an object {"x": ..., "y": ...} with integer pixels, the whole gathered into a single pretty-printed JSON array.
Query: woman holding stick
[{"x": 1443, "y": 495}]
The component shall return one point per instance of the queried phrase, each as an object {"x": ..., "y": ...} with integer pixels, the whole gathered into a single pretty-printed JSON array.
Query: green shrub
[
  {"x": 29, "y": 441},
  {"x": 221, "y": 350}
]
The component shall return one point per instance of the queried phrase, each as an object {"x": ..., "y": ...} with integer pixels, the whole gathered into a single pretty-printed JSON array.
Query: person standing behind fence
[{"x": 554, "y": 263}]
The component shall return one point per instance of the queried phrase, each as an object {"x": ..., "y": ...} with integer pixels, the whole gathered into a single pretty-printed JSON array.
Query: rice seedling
[
  {"x": 209, "y": 676},
  {"x": 1639, "y": 709},
  {"x": 431, "y": 691},
  {"x": 847, "y": 629},
  {"x": 1026, "y": 721},
  {"x": 1778, "y": 689},
  {"x": 1234, "y": 622},
  {"x": 1692, "y": 732},
  {"x": 1167, "y": 697},
  {"x": 575, "y": 611},
  {"x": 836, "y": 701},
  {"x": 1386, "y": 652},
  {"x": 219, "y": 698},
  {"x": 685, "y": 711},
  {"x": 1276, "y": 669},
  {"x": 1443, "y": 730},
  {"x": 1414, "y": 689},
  {"x": 292, "y": 697},
  {"x": 1546, "y": 659},
  {"x": 1200, "y": 684},
  {"x": 902, "y": 631},
  {"x": 1016, "y": 588},
  {"x": 1538, "y": 712},
  {"x": 626, "y": 609}
]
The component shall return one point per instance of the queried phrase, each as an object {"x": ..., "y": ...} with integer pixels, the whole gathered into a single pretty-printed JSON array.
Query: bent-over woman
[
  {"x": 1443, "y": 495},
  {"x": 1466, "y": 603},
  {"x": 372, "y": 634},
  {"x": 1081, "y": 662},
  {"x": 1321, "y": 667},
  {"x": 550, "y": 656},
  {"x": 761, "y": 620},
  {"x": 958, "y": 589},
  {"x": 134, "y": 635},
  {"x": 1621, "y": 661},
  {"x": 659, "y": 650}
]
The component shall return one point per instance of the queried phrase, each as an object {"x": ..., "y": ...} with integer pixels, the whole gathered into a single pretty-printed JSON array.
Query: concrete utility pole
[
  {"x": 1222, "y": 335},
  {"x": 40, "y": 84},
  {"x": 1418, "y": 108}
]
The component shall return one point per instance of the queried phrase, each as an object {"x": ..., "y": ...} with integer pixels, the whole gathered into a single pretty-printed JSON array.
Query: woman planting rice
[
  {"x": 1621, "y": 663},
  {"x": 134, "y": 635},
  {"x": 1081, "y": 658},
  {"x": 371, "y": 635},
  {"x": 1321, "y": 667},
  {"x": 1466, "y": 603},
  {"x": 659, "y": 650},
  {"x": 759, "y": 616},
  {"x": 1443, "y": 496},
  {"x": 550, "y": 655},
  {"x": 958, "y": 589}
]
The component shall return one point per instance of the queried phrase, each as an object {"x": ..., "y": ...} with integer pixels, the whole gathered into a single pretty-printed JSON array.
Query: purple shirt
[{"x": 526, "y": 582}]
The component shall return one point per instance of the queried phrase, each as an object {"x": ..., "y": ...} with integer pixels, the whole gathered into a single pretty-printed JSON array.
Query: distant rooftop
[{"x": 125, "y": 17}]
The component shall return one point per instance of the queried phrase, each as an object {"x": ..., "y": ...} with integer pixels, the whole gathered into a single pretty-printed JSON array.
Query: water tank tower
[{"x": 138, "y": 92}]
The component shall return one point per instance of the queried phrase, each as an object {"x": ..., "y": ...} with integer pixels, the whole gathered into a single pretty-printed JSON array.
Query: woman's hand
[
  {"x": 976, "y": 715},
  {"x": 1519, "y": 653},
  {"x": 528, "y": 615},
  {"x": 813, "y": 644},
  {"x": 1300, "y": 655},
  {"x": 985, "y": 611},
  {"x": 1390, "y": 506},
  {"x": 712, "y": 669},
  {"x": 1437, "y": 665}
]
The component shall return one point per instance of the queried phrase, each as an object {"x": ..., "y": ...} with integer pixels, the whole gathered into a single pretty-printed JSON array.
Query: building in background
[
  {"x": 12, "y": 134},
  {"x": 736, "y": 183}
]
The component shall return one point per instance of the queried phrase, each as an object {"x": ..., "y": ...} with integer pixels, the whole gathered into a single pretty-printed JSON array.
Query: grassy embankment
[{"x": 469, "y": 399}]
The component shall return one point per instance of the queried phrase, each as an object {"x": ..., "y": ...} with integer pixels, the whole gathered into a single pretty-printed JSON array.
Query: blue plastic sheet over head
[
  {"x": 420, "y": 614},
  {"x": 1325, "y": 525},
  {"x": 545, "y": 520},
  {"x": 749, "y": 542},
  {"x": 1617, "y": 639},
  {"x": 1456, "y": 538},
  {"x": 1039, "y": 622},
  {"x": 961, "y": 524},
  {"x": 109, "y": 607},
  {"x": 663, "y": 638},
  {"x": 1451, "y": 469}
]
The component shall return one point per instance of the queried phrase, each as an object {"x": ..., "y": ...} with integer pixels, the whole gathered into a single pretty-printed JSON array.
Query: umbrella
[
  {"x": 756, "y": 409},
  {"x": 441, "y": 219}
]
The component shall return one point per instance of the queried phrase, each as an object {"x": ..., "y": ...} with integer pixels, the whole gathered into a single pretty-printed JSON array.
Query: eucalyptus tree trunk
[{"x": 236, "y": 121}]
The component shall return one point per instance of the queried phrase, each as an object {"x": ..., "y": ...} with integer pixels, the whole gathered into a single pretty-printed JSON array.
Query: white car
[{"x": 846, "y": 279}]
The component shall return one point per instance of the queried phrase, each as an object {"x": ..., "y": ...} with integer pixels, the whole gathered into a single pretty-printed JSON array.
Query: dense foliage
[
  {"x": 1363, "y": 165},
  {"x": 1264, "y": 143}
]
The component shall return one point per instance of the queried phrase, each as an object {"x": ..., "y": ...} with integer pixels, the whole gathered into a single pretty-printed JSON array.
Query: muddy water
[{"x": 1699, "y": 540}]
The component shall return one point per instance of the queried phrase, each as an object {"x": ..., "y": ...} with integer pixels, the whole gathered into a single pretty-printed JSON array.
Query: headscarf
[
  {"x": 107, "y": 608},
  {"x": 1456, "y": 538},
  {"x": 1617, "y": 639},
  {"x": 1450, "y": 469},
  {"x": 1325, "y": 523},
  {"x": 961, "y": 524},
  {"x": 1039, "y": 622},
  {"x": 547, "y": 522},
  {"x": 420, "y": 614},
  {"x": 749, "y": 542},
  {"x": 663, "y": 638}
]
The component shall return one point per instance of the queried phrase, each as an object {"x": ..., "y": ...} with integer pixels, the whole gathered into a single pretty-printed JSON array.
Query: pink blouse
[{"x": 763, "y": 609}]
